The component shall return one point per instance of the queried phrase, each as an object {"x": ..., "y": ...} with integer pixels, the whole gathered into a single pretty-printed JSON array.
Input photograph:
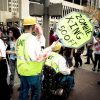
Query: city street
[
  {"x": 57, "y": 24},
  {"x": 86, "y": 87}
]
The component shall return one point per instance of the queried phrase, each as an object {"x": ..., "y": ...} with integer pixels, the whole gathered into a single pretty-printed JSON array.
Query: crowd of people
[
  {"x": 26, "y": 53},
  {"x": 92, "y": 52}
]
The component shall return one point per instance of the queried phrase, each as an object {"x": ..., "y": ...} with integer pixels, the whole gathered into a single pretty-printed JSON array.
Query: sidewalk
[
  {"x": 84, "y": 66},
  {"x": 86, "y": 87},
  {"x": 87, "y": 66}
]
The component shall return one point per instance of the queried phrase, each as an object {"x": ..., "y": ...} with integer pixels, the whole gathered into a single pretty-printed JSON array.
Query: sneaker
[
  {"x": 93, "y": 69},
  {"x": 87, "y": 63},
  {"x": 98, "y": 70},
  {"x": 98, "y": 82}
]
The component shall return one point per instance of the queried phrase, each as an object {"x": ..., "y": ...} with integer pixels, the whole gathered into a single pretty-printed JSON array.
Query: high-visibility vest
[
  {"x": 51, "y": 61},
  {"x": 25, "y": 66}
]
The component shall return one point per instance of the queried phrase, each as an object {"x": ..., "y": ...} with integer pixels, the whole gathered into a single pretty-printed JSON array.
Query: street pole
[{"x": 46, "y": 21}]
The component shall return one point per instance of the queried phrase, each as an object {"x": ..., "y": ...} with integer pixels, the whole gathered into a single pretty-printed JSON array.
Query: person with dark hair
[
  {"x": 5, "y": 31},
  {"x": 15, "y": 31},
  {"x": 90, "y": 53},
  {"x": 52, "y": 37},
  {"x": 97, "y": 55},
  {"x": 1, "y": 33},
  {"x": 13, "y": 36},
  {"x": 77, "y": 57},
  {"x": 68, "y": 55}
]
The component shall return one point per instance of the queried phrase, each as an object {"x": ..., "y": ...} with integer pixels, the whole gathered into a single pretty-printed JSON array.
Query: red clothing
[{"x": 52, "y": 39}]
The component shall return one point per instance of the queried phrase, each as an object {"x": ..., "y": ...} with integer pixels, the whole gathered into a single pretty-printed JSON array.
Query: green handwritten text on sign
[{"x": 75, "y": 30}]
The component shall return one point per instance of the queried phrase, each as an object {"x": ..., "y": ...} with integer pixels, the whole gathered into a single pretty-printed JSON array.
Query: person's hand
[
  {"x": 54, "y": 44},
  {"x": 41, "y": 58},
  {"x": 10, "y": 52}
]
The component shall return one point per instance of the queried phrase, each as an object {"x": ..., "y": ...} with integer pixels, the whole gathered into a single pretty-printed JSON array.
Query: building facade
[
  {"x": 14, "y": 10},
  {"x": 9, "y": 11},
  {"x": 95, "y": 3}
]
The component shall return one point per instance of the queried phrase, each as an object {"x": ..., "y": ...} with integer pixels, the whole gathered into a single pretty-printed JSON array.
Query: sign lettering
[{"x": 75, "y": 30}]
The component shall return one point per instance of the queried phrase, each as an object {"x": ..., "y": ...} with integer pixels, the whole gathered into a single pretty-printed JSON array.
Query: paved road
[{"x": 86, "y": 87}]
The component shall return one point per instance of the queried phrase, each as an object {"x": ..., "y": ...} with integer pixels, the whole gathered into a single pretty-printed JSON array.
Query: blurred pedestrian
[
  {"x": 97, "y": 55},
  {"x": 1, "y": 33},
  {"x": 77, "y": 57},
  {"x": 89, "y": 54},
  {"x": 4, "y": 88},
  {"x": 68, "y": 54},
  {"x": 5, "y": 31},
  {"x": 13, "y": 36},
  {"x": 52, "y": 37}
]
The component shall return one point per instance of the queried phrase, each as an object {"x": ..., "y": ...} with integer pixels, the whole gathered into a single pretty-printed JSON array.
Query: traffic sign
[{"x": 75, "y": 30}]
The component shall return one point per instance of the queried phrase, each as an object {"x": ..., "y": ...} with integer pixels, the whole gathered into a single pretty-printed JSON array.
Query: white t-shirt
[
  {"x": 2, "y": 49},
  {"x": 33, "y": 47},
  {"x": 41, "y": 39},
  {"x": 62, "y": 67}
]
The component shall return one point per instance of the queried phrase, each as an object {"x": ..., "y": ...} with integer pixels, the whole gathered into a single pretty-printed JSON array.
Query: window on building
[
  {"x": 13, "y": 9},
  {"x": 69, "y": 0},
  {"x": 9, "y": 0},
  {"x": 77, "y": 1},
  {"x": 9, "y": 4},
  {"x": 9, "y": 9},
  {"x": 17, "y": 9},
  {"x": 84, "y": 2}
]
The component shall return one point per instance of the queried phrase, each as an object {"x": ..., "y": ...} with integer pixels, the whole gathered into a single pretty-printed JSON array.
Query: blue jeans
[
  {"x": 69, "y": 79},
  {"x": 30, "y": 82}
]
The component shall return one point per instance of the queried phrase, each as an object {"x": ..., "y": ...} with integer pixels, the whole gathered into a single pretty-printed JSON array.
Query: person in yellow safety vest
[
  {"x": 58, "y": 63},
  {"x": 30, "y": 60}
]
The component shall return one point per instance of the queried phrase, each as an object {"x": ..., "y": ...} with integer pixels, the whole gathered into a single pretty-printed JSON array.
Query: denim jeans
[
  {"x": 69, "y": 79},
  {"x": 32, "y": 83}
]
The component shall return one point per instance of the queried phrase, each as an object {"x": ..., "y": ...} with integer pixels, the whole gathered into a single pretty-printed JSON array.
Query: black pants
[
  {"x": 90, "y": 57},
  {"x": 97, "y": 60},
  {"x": 4, "y": 88},
  {"x": 78, "y": 60}
]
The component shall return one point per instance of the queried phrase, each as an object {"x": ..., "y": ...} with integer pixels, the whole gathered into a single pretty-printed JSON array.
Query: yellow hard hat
[
  {"x": 29, "y": 21},
  {"x": 57, "y": 47}
]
